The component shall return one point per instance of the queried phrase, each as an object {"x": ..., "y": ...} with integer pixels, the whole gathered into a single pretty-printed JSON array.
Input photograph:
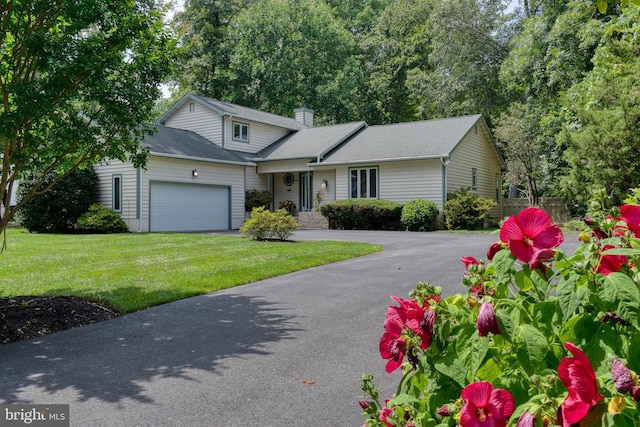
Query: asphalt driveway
[{"x": 287, "y": 351}]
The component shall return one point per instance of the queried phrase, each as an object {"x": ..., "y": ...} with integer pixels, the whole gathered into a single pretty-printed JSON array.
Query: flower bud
[
  {"x": 635, "y": 393},
  {"x": 444, "y": 411},
  {"x": 622, "y": 378},
  {"x": 584, "y": 237},
  {"x": 364, "y": 404},
  {"x": 526, "y": 420},
  {"x": 487, "y": 321},
  {"x": 493, "y": 250},
  {"x": 616, "y": 405}
]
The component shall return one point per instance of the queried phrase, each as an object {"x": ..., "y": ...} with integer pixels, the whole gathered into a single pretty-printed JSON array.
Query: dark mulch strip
[{"x": 30, "y": 317}]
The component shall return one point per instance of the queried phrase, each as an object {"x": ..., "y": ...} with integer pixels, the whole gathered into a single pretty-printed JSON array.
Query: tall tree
[
  {"x": 552, "y": 53},
  {"x": 603, "y": 130},
  {"x": 286, "y": 52},
  {"x": 395, "y": 49},
  {"x": 470, "y": 40},
  {"x": 204, "y": 53},
  {"x": 76, "y": 81}
]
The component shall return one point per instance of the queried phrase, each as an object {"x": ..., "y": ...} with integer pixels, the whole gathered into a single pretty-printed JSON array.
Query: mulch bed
[{"x": 30, "y": 317}]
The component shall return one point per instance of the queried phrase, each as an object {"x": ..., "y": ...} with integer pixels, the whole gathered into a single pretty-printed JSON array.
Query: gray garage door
[{"x": 188, "y": 207}]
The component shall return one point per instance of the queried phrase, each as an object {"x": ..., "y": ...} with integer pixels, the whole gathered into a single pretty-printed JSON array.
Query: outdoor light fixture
[
  {"x": 325, "y": 184},
  {"x": 194, "y": 173}
]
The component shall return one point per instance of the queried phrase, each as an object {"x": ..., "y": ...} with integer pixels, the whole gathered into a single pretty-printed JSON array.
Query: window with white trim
[
  {"x": 240, "y": 132},
  {"x": 363, "y": 182},
  {"x": 474, "y": 179},
  {"x": 116, "y": 193}
]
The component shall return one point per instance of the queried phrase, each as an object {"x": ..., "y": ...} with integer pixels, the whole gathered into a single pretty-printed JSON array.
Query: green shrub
[
  {"x": 283, "y": 225},
  {"x": 419, "y": 215},
  {"x": 58, "y": 210},
  {"x": 575, "y": 225},
  {"x": 256, "y": 198},
  {"x": 264, "y": 225},
  {"x": 362, "y": 214},
  {"x": 466, "y": 211},
  {"x": 99, "y": 219}
]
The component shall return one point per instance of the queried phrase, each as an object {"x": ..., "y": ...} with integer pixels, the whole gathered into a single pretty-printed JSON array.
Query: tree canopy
[{"x": 77, "y": 80}]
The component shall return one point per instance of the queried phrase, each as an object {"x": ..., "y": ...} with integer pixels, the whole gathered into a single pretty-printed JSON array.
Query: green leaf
[
  {"x": 473, "y": 355},
  {"x": 523, "y": 281},
  {"x": 634, "y": 353},
  {"x": 489, "y": 371},
  {"x": 401, "y": 399},
  {"x": 567, "y": 297},
  {"x": 451, "y": 366},
  {"x": 621, "y": 294},
  {"x": 507, "y": 325},
  {"x": 503, "y": 262},
  {"x": 602, "y": 6},
  {"x": 535, "y": 344}
]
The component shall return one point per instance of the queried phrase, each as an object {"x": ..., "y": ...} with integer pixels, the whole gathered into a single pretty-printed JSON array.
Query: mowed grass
[{"x": 129, "y": 272}]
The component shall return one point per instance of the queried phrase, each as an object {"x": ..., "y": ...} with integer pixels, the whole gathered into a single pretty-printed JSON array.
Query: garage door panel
[{"x": 188, "y": 207}]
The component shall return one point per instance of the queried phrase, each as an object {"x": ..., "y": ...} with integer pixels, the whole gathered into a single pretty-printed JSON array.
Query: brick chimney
[{"x": 304, "y": 115}]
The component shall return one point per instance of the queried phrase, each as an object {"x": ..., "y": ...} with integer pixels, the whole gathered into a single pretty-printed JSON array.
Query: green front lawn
[{"x": 130, "y": 272}]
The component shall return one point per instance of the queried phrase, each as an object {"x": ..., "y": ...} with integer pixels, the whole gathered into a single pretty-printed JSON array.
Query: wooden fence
[{"x": 554, "y": 206}]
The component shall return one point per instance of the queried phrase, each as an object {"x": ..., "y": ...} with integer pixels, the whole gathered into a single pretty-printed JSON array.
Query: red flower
[
  {"x": 610, "y": 263},
  {"x": 577, "y": 375},
  {"x": 487, "y": 321},
  {"x": 418, "y": 319},
  {"x": 469, "y": 260},
  {"x": 384, "y": 414},
  {"x": 392, "y": 344},
  {"x": 485, "y": 406},
  {"x": 631, "y": 215},
  {"x": 529, "y": 232}
]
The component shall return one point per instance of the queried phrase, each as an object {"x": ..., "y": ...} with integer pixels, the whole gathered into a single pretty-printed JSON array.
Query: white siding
[
  {"x": 202, "y": 120},
  {"x": 475, "y": 152},
  {"x": 260, "y": 136},
  {"x": 106, "y": 170},
  {"x": 281, "y": 192},
  {"x": 254, "y": 181},
  {"x": 400, "y": 181},
  {"x": 176, "y": 170},
  {"x": 284, "y": 166}
]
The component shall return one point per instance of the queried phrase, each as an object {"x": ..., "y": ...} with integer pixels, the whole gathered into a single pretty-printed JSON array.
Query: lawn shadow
[{"x": 113, "y": 360}]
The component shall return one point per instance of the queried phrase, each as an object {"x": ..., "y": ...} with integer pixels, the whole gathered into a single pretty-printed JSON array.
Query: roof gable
[
  {"x": 310, "y": 143},
  {"x": 179, "y": 143},
  {"x": 410, "y": 140},
  {"x": 234, "y": 111}
]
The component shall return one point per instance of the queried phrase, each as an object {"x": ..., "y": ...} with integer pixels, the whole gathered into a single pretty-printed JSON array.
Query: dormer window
[{"x": 240, "y": 132}]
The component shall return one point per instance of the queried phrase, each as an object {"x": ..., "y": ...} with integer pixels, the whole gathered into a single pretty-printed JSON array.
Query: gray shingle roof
[
  {"x": 187, "y": 144},
  {"x": 423, "y": 139},
  {"x": 237, "y": 111},
  {"x": 310, "y": 143}
]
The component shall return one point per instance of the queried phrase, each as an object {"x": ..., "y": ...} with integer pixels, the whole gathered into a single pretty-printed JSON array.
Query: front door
[{"x": 306, "y": 190}]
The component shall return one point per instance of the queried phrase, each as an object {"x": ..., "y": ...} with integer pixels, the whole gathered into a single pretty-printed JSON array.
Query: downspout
[
  {"x": 445, "y": 162},
  {"x": 224, "y": 133}
]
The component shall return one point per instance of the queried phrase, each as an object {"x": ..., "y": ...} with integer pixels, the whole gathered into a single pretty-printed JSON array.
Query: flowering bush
[{"x": 541, "y": 338}]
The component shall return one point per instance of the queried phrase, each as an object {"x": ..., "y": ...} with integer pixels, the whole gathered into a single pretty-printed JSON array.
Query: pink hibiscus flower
[
  {"x": 469, "y": 260},
  {"x": 418, "y": 319},
  {"x": 577, "y": 375},
  {"x": 485, "y": 406},
  {"x": 631, "y": 215},
  {"x": 529, "y": 232},
  {"x": 392, "y": 344},
  {"x": 610, "y": 263}
]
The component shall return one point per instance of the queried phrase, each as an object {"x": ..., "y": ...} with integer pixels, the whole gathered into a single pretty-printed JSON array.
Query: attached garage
[{"x": 188, "y": 207}]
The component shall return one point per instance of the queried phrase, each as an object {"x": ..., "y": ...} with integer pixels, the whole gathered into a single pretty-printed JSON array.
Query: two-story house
[{"x": 205, "y": 154}]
